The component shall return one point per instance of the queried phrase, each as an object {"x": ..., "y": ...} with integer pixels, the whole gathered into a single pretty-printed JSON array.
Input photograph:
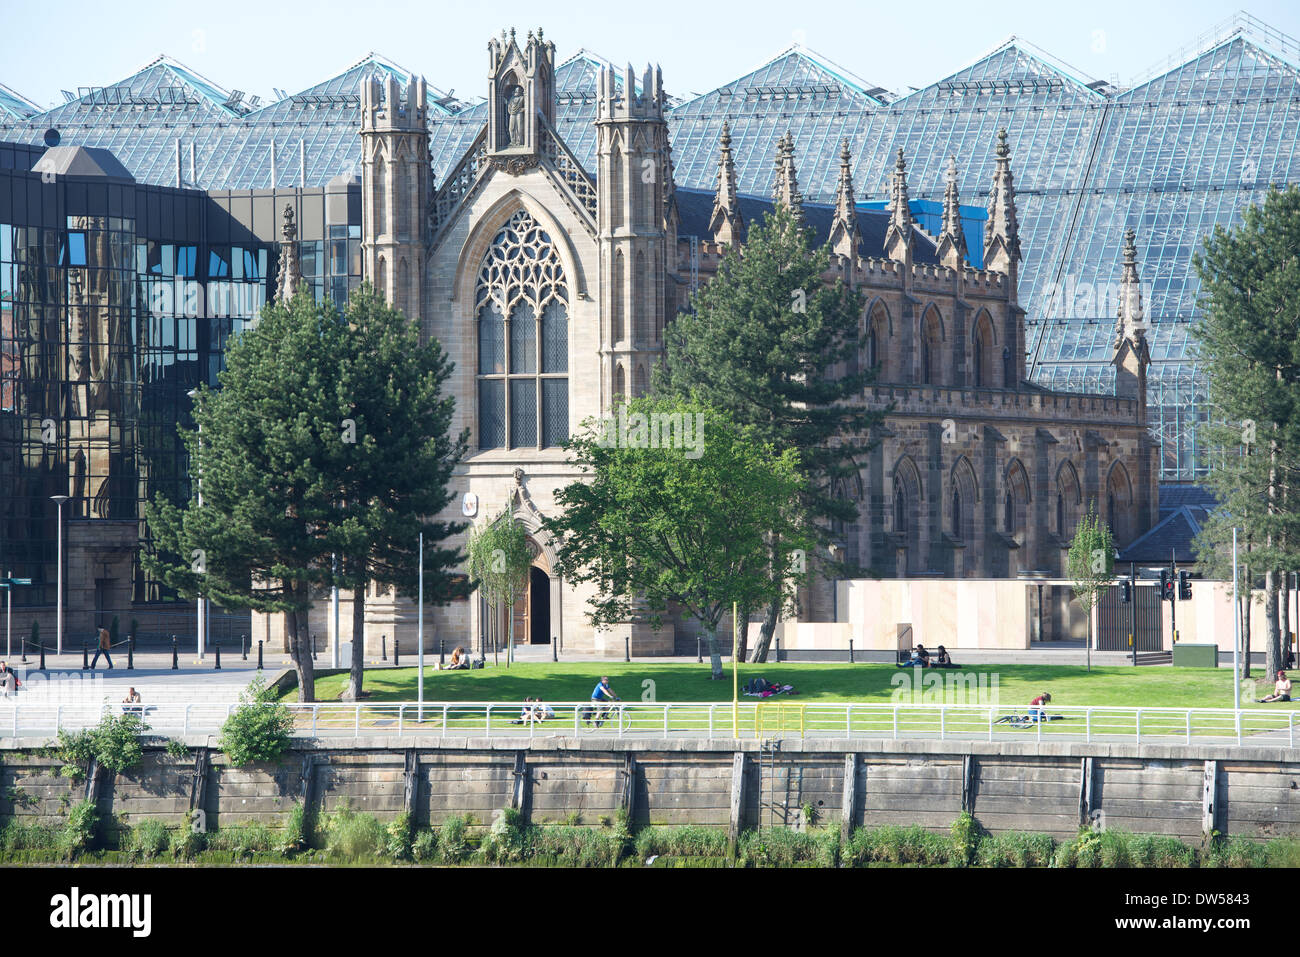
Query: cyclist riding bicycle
[{"x": 599, "y": 710}]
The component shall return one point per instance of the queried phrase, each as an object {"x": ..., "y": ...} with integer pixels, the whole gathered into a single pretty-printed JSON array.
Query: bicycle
[{"x": 597, "y": 713}]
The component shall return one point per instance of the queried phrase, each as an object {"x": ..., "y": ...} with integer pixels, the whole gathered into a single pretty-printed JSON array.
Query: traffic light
[
  {"x": 1125, "y": 591},
  {"x": 1184, "y": 586},
  {"x": 1166, "y": 585}
]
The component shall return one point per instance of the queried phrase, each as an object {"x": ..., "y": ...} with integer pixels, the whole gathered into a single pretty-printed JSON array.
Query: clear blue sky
[{"x": 253, "y": 47}]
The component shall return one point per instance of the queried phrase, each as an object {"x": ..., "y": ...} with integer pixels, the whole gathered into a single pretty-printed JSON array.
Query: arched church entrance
[{"x": 532, "y": 609}]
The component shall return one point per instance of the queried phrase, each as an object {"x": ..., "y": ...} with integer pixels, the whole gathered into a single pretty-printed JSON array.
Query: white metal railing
[{"x": 448, "y": 719}]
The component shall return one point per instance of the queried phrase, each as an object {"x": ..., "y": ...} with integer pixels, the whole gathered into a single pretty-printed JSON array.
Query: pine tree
[
  {"x": 1250, "y": 288},
  {"x": 772, "y": 345},
  {"x": 256, "y": 456},
  {"x": 391, "y": 468}
]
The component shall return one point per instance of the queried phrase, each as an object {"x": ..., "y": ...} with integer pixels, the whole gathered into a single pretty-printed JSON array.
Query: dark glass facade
[{"x": 116, "y": 300}]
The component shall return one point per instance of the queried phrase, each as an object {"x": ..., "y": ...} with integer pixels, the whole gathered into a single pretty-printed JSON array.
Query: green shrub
[
  {"x": 78, "y": 834},
  {"x": 397, "y": 838},
  {"x": 258, "y": 729},
  {"x": 687, "y": 840},
  {"x": 510, "y": 838},
  {"x": 148, "y": 839},
  {"x": 1283, "y": 852},
  {"x": 1237, "y": 852},
  {"x": 965, "y": 834},
  {"x": 117, "y": 741},
  {"x": 177, "y": 749},
  {"x": 576, "y": 846},
  {"x": 453, "y": 843},
  {"x": 20, "y": 836},
  {"x": 785, "y": 847},
  {"x": 897, "y": 845},
  {"x": 114, "y": 743},
  {"x": 1015, "y": 849},
  {"x": 425, "y": 845},
  {"x": 186, "y": 842},
  {"x": 1114, "y": 848},
  {"x": 243, "y": 840},
  {"x": 297, "y": 828},
  {"x": 1153, "y": 850},
  {"x": 353, "y": 836}
]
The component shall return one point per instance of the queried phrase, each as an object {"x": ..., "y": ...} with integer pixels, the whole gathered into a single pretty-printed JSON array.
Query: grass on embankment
[{"x": 816, "y": 682}]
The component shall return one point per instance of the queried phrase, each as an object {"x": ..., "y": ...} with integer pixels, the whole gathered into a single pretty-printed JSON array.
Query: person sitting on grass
[
  {"x": 941, "y": 660},
  {"x": 920, "y": 658},
  {"x": 459, "y": 659},
  {"x": 528, "y": 713},
  {"x": 1281, "y": 690},
  {"x": 1037, "y": 709}
]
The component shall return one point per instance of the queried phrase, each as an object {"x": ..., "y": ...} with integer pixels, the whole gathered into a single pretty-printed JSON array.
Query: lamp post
[
  {"x": 59, "y": 500},
  {"x": 201, "y": 603},
  {"x": 1236, "y": 630},
  {"x": 334, "y": 604},
  {"x": 419, "y": 632}
]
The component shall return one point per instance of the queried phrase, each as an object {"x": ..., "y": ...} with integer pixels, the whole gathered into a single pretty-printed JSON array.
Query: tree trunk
[
  {"x": 765, "y": 633},
  {"x": 302, "y": 663},
  {"x": 715, "y": 654},
  {"x": 742, "y": 653},
  {"x": 1245, "y": 627},
  {"x": 357, "y": 669},
  {"x": 1274, "y": 662}
]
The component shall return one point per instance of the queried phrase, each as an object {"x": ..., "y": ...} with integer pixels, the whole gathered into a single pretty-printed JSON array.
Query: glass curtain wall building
[{"x": 116, "y": 300}]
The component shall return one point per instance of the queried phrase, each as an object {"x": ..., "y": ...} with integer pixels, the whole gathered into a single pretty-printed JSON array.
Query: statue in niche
[{"x": 515, "y": 114}]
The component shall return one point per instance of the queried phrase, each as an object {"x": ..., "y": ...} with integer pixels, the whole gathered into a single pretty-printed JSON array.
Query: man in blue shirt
[{"x": 602, "y": 693}]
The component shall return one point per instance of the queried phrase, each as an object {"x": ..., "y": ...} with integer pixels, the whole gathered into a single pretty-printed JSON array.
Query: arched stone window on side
[
  {"x": 523, "y": 340},
  {"x": 931, "y": 348},
  {"x": 982, "y": 343}
]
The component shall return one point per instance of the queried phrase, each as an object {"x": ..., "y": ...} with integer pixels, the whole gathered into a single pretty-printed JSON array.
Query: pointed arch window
[
  {"x": 522, "y": 302},
  {"x": 900, "y": 510}
]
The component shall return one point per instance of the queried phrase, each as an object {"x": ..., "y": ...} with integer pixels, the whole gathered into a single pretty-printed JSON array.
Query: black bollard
[
  {"x": 313, "y": 647},
  {"x": 442, "y": 654},
  {"x": 627, "y": 648},
  {"x": 383, "y": 647},
  {"x": 850, "y": 651},
  {"x": 243, "y": 647},
  {"x": 778, "y": 651},
  {"x": 396, "y": 651},
  {"x": 42, "y": 668},
  {"x": 216, "y": 661},
  {"x": 22, "y": 643},
  {"x": 176, "y": 662},
  {"x": 259, "y": 654},
  {"x": 130, "y": 653},
  {"x": 699, "y": 650},
  {"x": 85, "y": 657},
  {"x": 554, "y": 654}
]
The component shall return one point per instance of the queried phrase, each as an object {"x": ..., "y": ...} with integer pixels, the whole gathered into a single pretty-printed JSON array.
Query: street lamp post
[
  {"x": 59, "y": 500},
  {"x": 201, "y": 605},
  {"x": 419, "y": 631}
]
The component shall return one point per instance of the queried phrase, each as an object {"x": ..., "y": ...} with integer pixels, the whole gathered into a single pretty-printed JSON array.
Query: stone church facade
[{"x": 550, "y": 285}]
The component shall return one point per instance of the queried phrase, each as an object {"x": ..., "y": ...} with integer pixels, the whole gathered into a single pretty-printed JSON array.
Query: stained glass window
[{"x": 522, "y": 277}]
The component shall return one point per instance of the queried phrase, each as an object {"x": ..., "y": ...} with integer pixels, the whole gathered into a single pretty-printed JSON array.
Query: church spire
[
  {"x": 726, "y": 224},
  {"x": 1002, "y": 230},
  {"x": 952, "y": 240},
  {"x": 1132, "y": 355},
  {"x": 786, "y": 188},
  {"x": 1130, "y": 323},
  {"x": 844, "y": 227},
  {"x": 898, "y": 235},
  {"x": 290, "y": 274}
]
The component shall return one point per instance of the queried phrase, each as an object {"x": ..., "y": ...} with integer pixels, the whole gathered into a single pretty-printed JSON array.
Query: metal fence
[{"x": 708, "y": 720}]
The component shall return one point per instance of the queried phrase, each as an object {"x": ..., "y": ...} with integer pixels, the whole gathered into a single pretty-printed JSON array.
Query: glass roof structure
[{"x": 1171, "y": 157}]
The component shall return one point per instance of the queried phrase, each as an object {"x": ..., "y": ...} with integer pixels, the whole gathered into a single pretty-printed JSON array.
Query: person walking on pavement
[{"x": 104, "y": 646}]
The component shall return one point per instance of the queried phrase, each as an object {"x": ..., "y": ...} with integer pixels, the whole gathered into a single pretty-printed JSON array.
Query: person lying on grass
[{"x": 1281, "y": 690}]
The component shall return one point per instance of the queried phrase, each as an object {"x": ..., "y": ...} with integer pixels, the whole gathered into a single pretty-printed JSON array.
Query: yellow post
[{"x": 735, "y": 674}]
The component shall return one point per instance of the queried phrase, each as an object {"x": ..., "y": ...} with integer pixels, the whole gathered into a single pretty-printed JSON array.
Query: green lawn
[{"x": 816, "y": 683}]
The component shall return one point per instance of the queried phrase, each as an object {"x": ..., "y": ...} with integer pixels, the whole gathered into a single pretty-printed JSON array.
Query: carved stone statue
[{"x": 515, "y": 113}]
